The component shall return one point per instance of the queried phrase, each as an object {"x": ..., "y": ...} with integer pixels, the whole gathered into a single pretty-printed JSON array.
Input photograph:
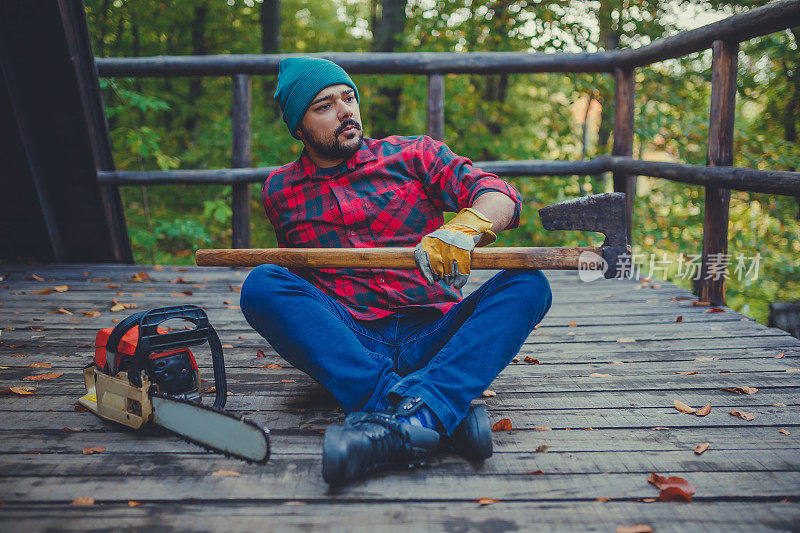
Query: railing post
[
  {"x": 711, "y": 285},
  {"x": 240, "y": 125},
  {"x": 436, "y": 105},
  {"x": 624, "y": 91}
]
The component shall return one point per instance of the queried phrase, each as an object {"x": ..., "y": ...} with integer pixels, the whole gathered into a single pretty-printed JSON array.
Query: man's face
[{"x": 331, "y": 127}]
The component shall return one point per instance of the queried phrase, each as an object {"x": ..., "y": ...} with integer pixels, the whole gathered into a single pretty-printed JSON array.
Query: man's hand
[{"x": 444, "y": 254}]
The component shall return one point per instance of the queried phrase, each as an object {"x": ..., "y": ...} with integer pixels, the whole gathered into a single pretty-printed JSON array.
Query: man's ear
[{"x": 299, "y": 134}]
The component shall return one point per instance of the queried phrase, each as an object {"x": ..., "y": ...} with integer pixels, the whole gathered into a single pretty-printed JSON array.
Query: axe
[{"x": 604, "y": 213}]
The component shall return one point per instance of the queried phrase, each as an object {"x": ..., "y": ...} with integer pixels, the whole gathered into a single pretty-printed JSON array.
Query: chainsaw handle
[
  {"x": 112, "y": 343},
  {"x": 150, "y": 340}
]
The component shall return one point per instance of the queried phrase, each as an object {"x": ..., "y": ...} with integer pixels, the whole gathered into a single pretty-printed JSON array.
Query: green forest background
[{"x": 173, "y": 123}]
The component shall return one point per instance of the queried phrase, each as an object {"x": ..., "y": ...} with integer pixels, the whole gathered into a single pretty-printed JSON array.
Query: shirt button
[
  {"x": 351, "y": 232},
  {"x": 380, "y": 280}
]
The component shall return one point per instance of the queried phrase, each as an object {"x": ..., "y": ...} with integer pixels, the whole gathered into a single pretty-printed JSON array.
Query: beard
[{"x": 330, "y": 147}]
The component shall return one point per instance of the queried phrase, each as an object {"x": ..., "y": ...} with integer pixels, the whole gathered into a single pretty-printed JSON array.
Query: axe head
[{"x": 604, "y": 213}]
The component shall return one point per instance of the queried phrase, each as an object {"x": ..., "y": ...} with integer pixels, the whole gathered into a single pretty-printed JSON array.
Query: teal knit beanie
[{"x": 300, "y": 79}]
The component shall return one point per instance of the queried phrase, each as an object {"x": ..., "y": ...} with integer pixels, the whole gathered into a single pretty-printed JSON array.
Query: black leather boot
[
  {"x": 368, "y": 442},
  {"x": 472, "y": 438}
]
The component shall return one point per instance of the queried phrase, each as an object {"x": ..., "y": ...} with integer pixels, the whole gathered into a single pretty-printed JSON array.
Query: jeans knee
[
  {"x": 532, "y": 285},
  {"x": 259, "y": 281}
]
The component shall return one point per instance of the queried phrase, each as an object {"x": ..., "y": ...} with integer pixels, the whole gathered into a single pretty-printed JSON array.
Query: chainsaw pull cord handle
[
  {"x": 150, "y": 340},
  {"x": 112, "y": 344}
]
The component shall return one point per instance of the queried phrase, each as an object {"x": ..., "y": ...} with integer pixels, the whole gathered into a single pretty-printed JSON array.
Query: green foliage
[{"x": 161, "y": 123}]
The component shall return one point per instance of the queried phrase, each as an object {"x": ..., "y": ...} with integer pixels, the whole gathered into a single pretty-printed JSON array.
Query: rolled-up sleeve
[{"x": 455, "y": 182}]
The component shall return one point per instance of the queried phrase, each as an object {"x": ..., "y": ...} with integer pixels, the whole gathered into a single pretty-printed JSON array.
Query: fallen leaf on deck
[
  {"x": 117, "y": 307},
  {"x": 93, "y": 314},
  {"x": 89, "y": 450},
  {"x": 235, "y": 289},
  {"x": 227, "y": 345},
  {"x": 40, "y": 365},
  {"x": 626, "y": 339},
  {"x": 542, "y": 448},
  {"x": 649, "y": 500},
  {"x": 785, "y": 432},
  {"x": 778, "y": 405},
  {"x": 543, "y": 428},
  {"x": 679, "y": 319},
  {"x": 703, "y": 358},
  {"x": 226, "y": 473},
  {"x": 702, "y": 447},
  {"x": 40, "y": 377},
  {"x": 61, "y": 288},
  {"x": 599, "y": 375},
  {"x": 488, "y": 393},
  {"x": 45, "y": 291},
  {"x": 714, "y": 310},
  {"x": 139, "y": 277},
  {"x": 698, "y": 303},
  {"x": 638, "y": 528},
  {"x": 535, "y": 473},
  {"x": 210, "y": 389},
  {"x": 271, "y": 366},
  {"x": 602, "y": 500},
  {"x": 80, "y": 409},
  {"x": 20, "y": 391},
  {"x": 672, "y": 488},
  {"x": 515, "y": 360},
  {"x": 34, "y": 277},
  {"x": 683, "y": 408},
  {"x": 529, "y": 359},
  {"x": 659, "y": 428},
  {"x": 743, "y": 415},
  {"x": 703, "y": 411},
  {"x": 793, "y": 369},
  {"x": 686, "y": 373},
  {"x": 233, "y": 307},
  {"x": 83, "y": 500},
  {"x": 780, "y": 355},
  {"x": 177, "y": 295},
  {"x": 132, "y": 503},
  {"x": 64, "y": 311},
  {"x": 741, "y": 390},
  {"x": 486, "y": 501},
  {"x": 113, "y": 285},
  {"x": 502, "y": 425},
  {"x": 260, "y": 354},
  {"x": 573, "y": 324}
]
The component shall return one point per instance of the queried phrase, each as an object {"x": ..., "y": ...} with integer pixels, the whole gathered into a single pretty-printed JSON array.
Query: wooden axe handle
[{"x": 392, "y": 258}]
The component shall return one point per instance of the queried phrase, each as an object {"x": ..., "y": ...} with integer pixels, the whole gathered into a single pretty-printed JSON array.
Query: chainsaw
[{"x": 169, "y": 393}]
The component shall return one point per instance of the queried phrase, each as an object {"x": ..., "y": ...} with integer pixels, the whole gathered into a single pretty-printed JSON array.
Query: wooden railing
[{"x": 718, "y": 178}]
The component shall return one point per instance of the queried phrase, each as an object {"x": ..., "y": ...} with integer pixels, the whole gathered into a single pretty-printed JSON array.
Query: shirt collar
[{"x": 304, "y": 167}]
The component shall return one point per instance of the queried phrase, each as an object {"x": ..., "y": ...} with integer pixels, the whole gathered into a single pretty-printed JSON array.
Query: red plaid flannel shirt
[{"x": 389, "y": 194}]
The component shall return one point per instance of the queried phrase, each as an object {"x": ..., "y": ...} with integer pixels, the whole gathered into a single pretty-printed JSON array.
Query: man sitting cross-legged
[{"x": 401, "y": 351}]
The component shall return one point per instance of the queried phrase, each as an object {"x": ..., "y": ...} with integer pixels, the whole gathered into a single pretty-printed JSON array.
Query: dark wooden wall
[{"x": 54, "y": 139}]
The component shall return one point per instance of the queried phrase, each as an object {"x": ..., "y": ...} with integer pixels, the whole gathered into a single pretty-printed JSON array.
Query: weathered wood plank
[
  {"x": 165, "y": 465},
  {"x": 297, "y": 441},
  {"x": 290, "y": 516},
  {"x": 558, "y": 419},
  {"x": 305, "y": 481}
]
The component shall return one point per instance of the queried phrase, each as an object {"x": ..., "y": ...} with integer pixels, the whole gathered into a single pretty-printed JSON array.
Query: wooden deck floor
[{"x": 609, "y": 404}]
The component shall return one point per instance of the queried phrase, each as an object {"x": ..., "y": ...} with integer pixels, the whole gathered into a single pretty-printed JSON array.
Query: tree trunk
[
  {"x": 270, "y": 19},
  {"x": 387, "y": 36},
  {"x": 198, "y": 48}
]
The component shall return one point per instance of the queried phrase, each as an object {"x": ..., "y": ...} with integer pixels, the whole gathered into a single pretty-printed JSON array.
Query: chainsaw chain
[{"x": 205, "y": 446}]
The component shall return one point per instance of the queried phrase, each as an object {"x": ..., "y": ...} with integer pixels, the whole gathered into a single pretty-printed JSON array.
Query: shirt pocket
[{"x": 399, "y": 217}]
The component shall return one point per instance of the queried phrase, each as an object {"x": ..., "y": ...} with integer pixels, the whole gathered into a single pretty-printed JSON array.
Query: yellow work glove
[{"x": 444, "y": 254}]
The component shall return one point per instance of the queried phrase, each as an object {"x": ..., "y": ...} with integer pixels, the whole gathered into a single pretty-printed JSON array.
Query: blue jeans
[{"x": 447, "y": 360}]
